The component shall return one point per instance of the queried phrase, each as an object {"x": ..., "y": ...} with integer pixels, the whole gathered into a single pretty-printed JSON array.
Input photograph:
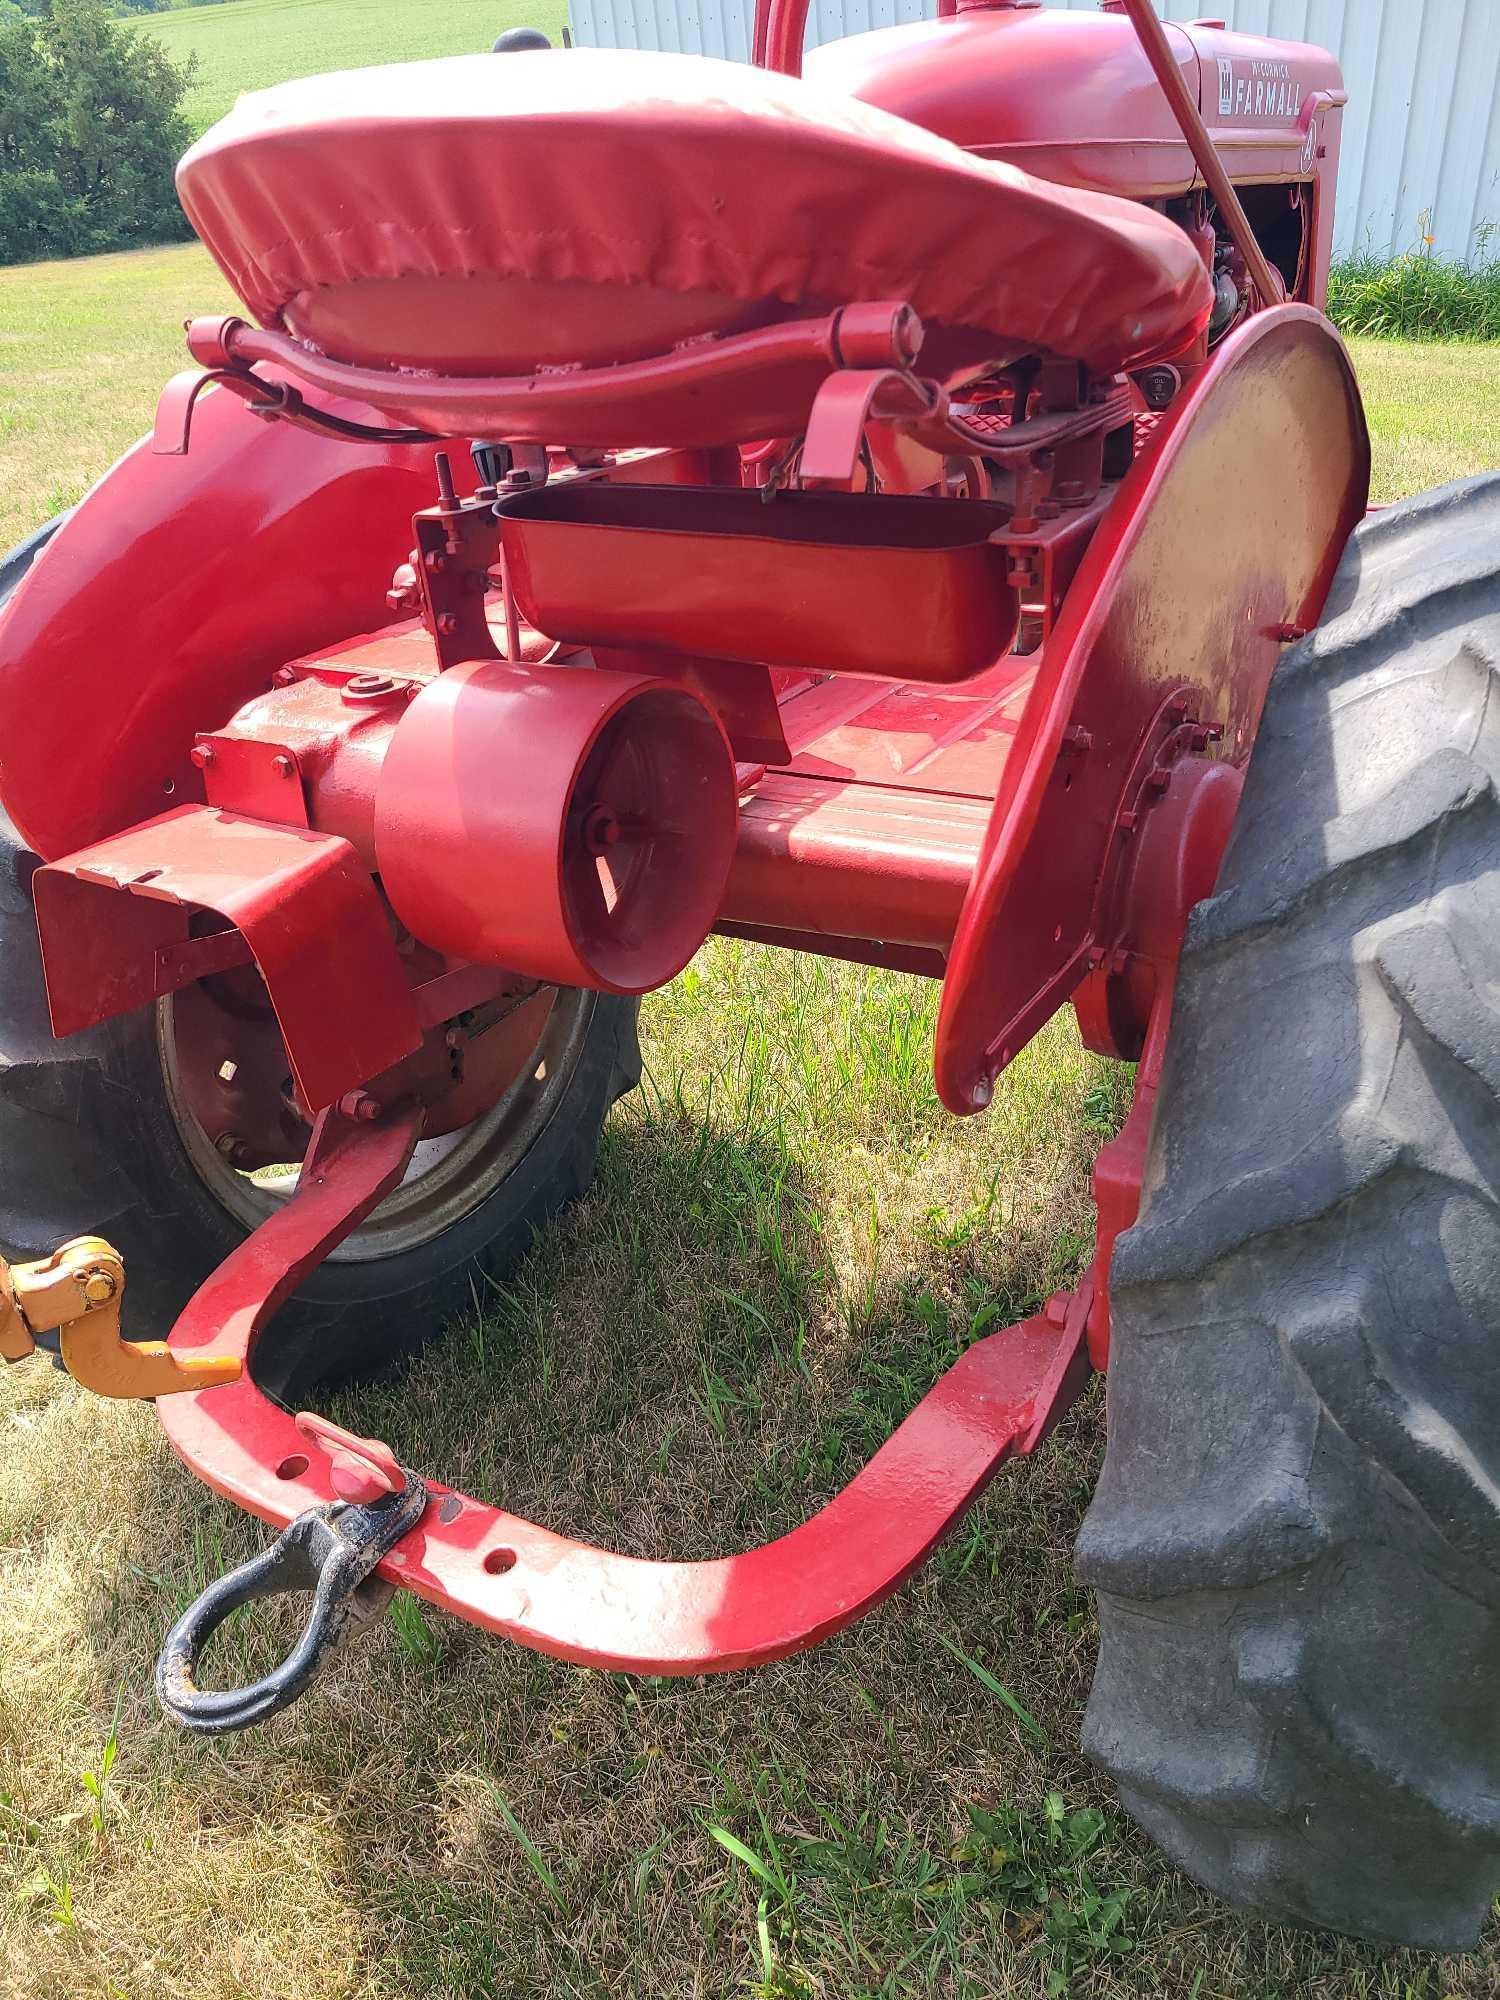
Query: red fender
[
  {"x": 171, "y": 595},
  {"x": 1224, "y": 540}
]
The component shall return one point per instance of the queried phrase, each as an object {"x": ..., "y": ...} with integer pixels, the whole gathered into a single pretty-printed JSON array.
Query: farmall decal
[{"x": 1259, "y": 90}]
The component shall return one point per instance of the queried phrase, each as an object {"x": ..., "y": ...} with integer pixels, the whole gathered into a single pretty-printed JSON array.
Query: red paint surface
[
  {"x": 171, "y": 595},
  {"x": 1231, "y": 524},
  {"x": 586, "y": 1604}
]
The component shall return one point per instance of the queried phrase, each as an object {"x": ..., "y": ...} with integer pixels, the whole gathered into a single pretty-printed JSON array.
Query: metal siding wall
[{"x": 1421, "y": 133}]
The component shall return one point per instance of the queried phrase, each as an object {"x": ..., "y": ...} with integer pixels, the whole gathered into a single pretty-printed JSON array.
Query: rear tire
[
  {"x": 1296, "y": 1537},
  {"x": 91, "y": 1143}
]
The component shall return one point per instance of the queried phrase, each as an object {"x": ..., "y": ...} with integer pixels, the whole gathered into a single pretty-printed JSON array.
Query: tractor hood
[{"x": 1072, "y": 98}]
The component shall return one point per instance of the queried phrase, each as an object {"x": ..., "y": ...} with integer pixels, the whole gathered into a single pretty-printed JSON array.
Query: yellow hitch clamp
[{"x": 79, "y": 1290}]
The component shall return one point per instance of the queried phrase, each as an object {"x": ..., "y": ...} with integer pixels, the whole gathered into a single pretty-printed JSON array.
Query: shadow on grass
[{"x": 690, "y": 1361}]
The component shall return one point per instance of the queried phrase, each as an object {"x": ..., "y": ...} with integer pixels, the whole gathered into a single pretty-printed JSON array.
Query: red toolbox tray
[{"x": 907, "y": 589}]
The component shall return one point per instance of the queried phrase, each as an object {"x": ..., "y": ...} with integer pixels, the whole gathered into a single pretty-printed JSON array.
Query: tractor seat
[{"x": 496, "y": 215}]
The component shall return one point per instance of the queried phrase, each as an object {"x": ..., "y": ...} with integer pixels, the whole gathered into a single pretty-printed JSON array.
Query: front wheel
[{"x": 1296, "y": 1538}]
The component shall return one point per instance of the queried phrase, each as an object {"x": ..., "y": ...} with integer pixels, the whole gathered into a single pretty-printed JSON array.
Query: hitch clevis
[{"x": 77, "y": 1292}]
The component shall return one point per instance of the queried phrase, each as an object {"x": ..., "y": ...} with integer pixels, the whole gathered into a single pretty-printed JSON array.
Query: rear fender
[
  {"x": 1222, "y": 544},
  {"x": 170, "y": 596}
]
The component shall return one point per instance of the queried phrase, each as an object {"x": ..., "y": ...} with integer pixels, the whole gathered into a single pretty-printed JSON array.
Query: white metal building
[{"x": 1421, "y": 134}]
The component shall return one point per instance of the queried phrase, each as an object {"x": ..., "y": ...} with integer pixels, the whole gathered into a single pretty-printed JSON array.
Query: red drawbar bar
[{"x": 585, "y": 1604}]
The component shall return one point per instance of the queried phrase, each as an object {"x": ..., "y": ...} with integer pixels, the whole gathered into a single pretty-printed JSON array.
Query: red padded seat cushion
[{"x": 496, "y": 214}]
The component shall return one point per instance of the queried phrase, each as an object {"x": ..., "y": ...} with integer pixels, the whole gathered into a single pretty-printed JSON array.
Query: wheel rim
[{"x": 448, "y": 1177}]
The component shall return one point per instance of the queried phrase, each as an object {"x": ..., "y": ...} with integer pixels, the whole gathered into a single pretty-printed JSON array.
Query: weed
[
  {"x": 1419, "y": 296},
  {"x": 96, "y": 1780},
  {"x": 997, "y": 1688},
  {"x": 1032, "y": 1865},
  {"x": 415, "y": 1636},
  {"x": 529, "y": 1848}
]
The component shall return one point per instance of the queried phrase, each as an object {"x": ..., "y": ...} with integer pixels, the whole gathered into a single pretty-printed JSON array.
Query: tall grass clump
[{"x": 1420, "y": 296}]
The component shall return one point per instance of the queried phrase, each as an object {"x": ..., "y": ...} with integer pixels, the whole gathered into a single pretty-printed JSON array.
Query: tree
[{"x": 90, "y": 129}]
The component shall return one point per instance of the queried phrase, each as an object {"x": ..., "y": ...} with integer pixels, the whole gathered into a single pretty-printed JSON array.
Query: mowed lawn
[
  {"x": 250, "y": 43},
  {"x": 787, "y": 1244}
]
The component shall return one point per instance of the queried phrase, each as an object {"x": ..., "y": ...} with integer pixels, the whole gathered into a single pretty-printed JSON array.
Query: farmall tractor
[{"x": 910, "y": 513}]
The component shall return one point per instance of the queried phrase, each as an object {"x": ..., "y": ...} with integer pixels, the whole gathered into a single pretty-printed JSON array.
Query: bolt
[
  {"x": 435, "y": 560},
  {"x": 1128, "y": 822},
  {"x": 233, "y": 1147},
  {"x": 1177, "y": 707},
  {"x": 1288, "y": 635},
  {"x": 283, "y": 766},
  {"x": 982, "y": 1092},
  {"x": 283, "y": 677},
  {"x": 228, "y": 1070},
  {"x": 1076, "y": 738},
  {"x": 98, "y": 1286},
  {"x": 1119, "y": 964},
  {"x": 202, "y": 755},
  {"x": 454, "y": 1038},
  {"x": 1094, "y": 958},
  {"x": 1205, "y": 734},
  {"x": 359, "y": 1106},
  {"x": 447, "y": 624},
  {"x": 601, "y": 829},
  {"x": 1158, "y": 780}
]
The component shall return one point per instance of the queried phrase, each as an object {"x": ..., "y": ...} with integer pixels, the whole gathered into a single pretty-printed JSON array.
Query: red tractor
[{"x": 905, "y": 514}]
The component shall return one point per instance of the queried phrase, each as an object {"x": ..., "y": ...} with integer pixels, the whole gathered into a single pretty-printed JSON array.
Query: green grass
[
  {"x": 787, "y": 1243},
  {"x": 1418, "y": 297},
  {"x": 247, "y": 44},
  {"x": 85, "y": 346},
  {"x": 782, "y": 1211}
]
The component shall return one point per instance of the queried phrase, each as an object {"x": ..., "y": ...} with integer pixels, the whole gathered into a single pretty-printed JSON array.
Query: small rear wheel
[
  {"x": 1296, "y": 1538},
  {"x": 103, "y": 1134}
]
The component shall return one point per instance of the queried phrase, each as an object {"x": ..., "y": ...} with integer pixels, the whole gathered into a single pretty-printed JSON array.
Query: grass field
[
  {"x": 788, "y": 1242},
  {"x": 247, "y": 44}
]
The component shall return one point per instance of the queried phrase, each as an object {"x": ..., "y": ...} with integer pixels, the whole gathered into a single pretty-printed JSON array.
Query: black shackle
[{"x": 332, "y": 1551}]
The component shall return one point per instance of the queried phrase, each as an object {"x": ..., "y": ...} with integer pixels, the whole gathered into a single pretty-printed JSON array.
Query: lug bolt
[
  {"x": 233, "y": 1147},
  {"x": 1159, "y": 779}
]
